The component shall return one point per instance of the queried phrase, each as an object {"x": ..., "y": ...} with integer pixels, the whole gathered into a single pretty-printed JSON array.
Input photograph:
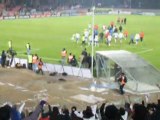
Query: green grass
[{"x": 49, "y": 35}]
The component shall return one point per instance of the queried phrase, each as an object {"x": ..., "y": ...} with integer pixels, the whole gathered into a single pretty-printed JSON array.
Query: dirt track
[{"x": 17, "y": 85}]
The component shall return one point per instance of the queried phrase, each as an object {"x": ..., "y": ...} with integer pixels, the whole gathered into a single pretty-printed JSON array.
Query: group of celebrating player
[{"x": 107, "y": 34}]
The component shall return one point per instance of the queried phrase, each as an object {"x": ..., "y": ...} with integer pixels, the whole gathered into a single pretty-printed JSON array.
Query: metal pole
[{"x": 92, "y": 38}]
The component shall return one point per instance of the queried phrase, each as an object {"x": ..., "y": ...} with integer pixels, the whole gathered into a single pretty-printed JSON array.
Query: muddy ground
[{"x": 19, "y": 85}]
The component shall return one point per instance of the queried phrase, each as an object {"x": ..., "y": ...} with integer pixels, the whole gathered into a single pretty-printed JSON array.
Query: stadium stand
[{"x": 44, "y": 111}]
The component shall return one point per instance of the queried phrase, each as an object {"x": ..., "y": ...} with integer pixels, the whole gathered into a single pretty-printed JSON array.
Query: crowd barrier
[{"x": 50, "y": 68}]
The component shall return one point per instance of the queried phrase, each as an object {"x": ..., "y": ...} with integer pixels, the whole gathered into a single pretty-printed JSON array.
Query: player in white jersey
[
  {"x": 90, "y": 40},
  {"x": 77, "y": 36},
  {"x": 120, "y": 36},
  {"x": 73, "y": 37},
  {"x": 115, "y": 36},
  {"x": 104, "y": 27},
  {"x": 96, "y": 41},
  {"x": 137, "y": 38},
  {"x": 109, "y": 38}
]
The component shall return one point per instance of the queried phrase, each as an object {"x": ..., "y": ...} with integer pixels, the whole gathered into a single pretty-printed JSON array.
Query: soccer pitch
[{"x": 48, "y": 36}]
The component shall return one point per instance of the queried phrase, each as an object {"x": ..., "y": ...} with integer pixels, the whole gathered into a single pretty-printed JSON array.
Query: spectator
[
  {"x": 36, "y": 112},
  {"x": 74, "y": 61},
  {"x": 139, "y": 112},
  {"x": 75, "y": 115},
  {"x": 88, "y": 114},
  {"x": 15, "y": 114},
  {"x": 63, "y": 56},
  {"x": 40, "y": 65},
  {"x": 3, "y": 58},
  {"x": 28, "y": 47},
  {"x": 70, "y": 57},
  {"x": 65, "y": 114},
  {"x": 122, "y": 79},
  {"x": 54, "y": 114},
  {"x": 5, "y": 112}
]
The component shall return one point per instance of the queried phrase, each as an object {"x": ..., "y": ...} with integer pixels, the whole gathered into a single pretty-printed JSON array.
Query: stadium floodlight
[
  {"x": 130, "y": 4},
  {"x": 93, "y": 19}
]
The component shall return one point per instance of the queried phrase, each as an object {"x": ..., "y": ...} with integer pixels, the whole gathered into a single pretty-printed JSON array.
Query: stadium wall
[{"x": 98, "y": 11}]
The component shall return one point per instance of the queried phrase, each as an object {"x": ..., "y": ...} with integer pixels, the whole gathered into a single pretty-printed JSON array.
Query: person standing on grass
[
  {"x": 109, "y": 40},
  {"x": 28, "y": 46},
  {"x": 137, "y": 38},
  {"x": 141, "y": 34},
  {"x": 10, "y": 45},
  {"x": 30, "y": 62},
  {"x": 34, "y": 62},
  {"x": 125, "y": 21},
  {"x": 74, "y": 61},
  {"x": 3, "y": 58},
  {"x": 70, "y": 57},
  {"x": 125, "y": 34},
  {"x": 12, "y": 53},
  {"x": 101, "y": 35},
  {"x": 131, "y": 39},
  {"x": 120, "y": 28},
  {"x": 120, "y": 36},
  {"x": 63, "y": 56},
  {"x": 40, "y": 65},
  {"x": 96, "y": 42},
  {"x": 77, "y": 37},
  {"x": 115, "y": 35}
]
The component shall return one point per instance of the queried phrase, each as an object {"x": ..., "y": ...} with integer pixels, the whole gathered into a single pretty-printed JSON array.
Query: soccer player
[
  {"x": 109, "y": 38},
  {"x": 137, "y": 37},
  {"x": 90, "y": 40},
  {"x": 104, "y": 27},
  {"x": 115, "y": 36},
  {"x": 125, "y": 34},
  {"x": 141, "y": 34},
  {"x": 131, "y": 39},
  {"x": 120, "y": 36},
  {"x": 86, "y": 35},
  {"x": 125, "y": 21},
  {"x": 101, "y": 34},
  {"x": 89, "y": 26},
  {"x": 120, "y": 28},
  {"x": 73, "y": 37},
  {"x": 77, "y": 36},
  {"x": 96, "y": 41}
]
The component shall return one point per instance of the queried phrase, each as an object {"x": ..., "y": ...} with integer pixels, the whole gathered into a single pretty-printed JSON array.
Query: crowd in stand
[{"x": 44, "y": 111}]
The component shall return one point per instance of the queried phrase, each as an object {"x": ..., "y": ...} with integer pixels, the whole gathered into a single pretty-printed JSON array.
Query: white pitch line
[
  {"x": 37, "y": 49},
  {"x": 2, "y": 83},
  {"x": 10, "y": 84},
  {"x": 144, "y": 51},
  {"x": 46, "y": 58}
]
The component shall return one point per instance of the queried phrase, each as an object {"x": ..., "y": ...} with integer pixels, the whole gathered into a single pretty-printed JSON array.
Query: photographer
[{"x": 12, "y": 53}]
